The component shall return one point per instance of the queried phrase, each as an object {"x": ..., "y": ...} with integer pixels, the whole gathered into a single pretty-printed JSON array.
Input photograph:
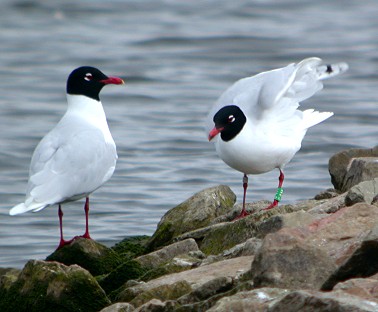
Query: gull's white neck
[
  {"x": 87, "y": 108},
  {"x": 90, "y": 111}
]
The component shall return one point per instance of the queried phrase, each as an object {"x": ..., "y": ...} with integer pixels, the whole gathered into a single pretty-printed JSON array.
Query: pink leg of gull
[
  {"x": 62, "y": 242},
  {"x": 243, "y": 213},
  {"x": 86, "y": 209},
  {"x": 275, "y": 201}
]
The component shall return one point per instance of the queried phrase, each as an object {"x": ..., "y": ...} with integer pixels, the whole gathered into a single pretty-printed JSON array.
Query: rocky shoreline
[{"x": 316, "y": 255}]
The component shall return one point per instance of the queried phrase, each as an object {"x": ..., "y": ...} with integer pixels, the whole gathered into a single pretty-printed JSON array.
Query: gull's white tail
[
  {"x": 312, "y": 117},
  {"x": 305, "y": 79}
]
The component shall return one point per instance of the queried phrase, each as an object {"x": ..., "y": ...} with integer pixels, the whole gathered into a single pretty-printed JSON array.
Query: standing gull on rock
[
  {"x": 256, "y": 125},
  {"x": 78, "y": 155}
]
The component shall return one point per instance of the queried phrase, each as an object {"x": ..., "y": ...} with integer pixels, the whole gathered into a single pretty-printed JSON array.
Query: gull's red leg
[
  {"x": 277, "y": 198},
  {"x": 243, "y": 213},
  {"x": 62, "y": 242},
  {"x": 86, "y": 209}
]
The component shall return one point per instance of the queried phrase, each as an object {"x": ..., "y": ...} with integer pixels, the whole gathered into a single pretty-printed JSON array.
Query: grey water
[{"x": 176, "y": 57}]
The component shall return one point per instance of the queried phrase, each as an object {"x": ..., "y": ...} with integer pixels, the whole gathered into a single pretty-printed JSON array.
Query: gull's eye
[
  {"x": 88, "y": 77},
  {"x": 231, "y": 119}
]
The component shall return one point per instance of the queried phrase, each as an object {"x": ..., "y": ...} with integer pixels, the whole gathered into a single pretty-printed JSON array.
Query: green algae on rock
[
  {"x": 128, "y": 270},
  {"x": 132, "y": 246},
  {"x": 89, "y": 254},
  {"x": 52, "y": 286},
  {"x": 196, "y": 212}
]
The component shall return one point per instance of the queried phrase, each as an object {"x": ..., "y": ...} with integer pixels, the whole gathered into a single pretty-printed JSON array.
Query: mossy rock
[
  {"x": 89, "y": 254},
  {"x": 132, "y": 246},
  {"x": 7, "y": 277},
  {"x": 219, "y": 237},
  {"x": 163, "y": 293},
  {"x": 130, "y": 270},
  {"x": 52, "y": 286},
  {"x": 196, "y": 212},
  {"x": 176, "y": 265}
]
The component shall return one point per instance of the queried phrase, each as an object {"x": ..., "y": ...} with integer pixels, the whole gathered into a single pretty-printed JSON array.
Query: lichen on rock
[{"x": 52, "y": 286}]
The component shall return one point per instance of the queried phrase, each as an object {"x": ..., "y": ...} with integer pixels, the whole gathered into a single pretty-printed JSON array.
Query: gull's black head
[
  {"x": 229, "y": 121},
  {"x": 89, "y": 81}
]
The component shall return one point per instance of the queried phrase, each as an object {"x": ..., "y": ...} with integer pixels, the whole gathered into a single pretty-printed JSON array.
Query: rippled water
[{"x": 177, "y": 58}]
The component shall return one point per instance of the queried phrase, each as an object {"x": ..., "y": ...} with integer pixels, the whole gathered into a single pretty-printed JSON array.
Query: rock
[
  {"x": 233, "y": 252},
  {"x": 363, "y": 192},
  {"x": 157, "y": 258},
  {"x": 7, "y": 277},
  {"x": 175, "y": 265},
  {"x": 251, "y": 208},
  {"x": 251, "y": 246},
  {"x": 51, "y": 286},
  {"x": 327, "y": 194},
  {"x": 314, "y": 301},
  {"x": 248, "y": 248},
  {"x": 330, "y": 206},
  {"x": 366, "y": 288},
  {"x": 350, "y": 167},
  {"x": 257, "y": 300},
  {"x": 348, "y": 237},
  {"x": 338, "y": 246},
  {"x": 89, "y": 254},
  {"x": 156, "y": 305},
  {"x": 289, "y": 220},
  {"x": 220, "y": 237},
  {"x": 128, "y": 270},
  {"x": 223, "y": 236},
  {"x": 375, "y": 200},
  {"x": 196, "y": 212},
  {"x": 208, "y": 289},
  {"x": 132, "y": 246},
  {"x": 257, "y": 212},
  {"x": 359, "y": 260},
  {"x": 232, "y": 268},
  {"x": 163, "y": 292},
  {"x": 202, "y": 306},
  {"x": 173, "y": 258},
  {"x": 287, "y": 260},
  {"x": 361, "y": 169},
  {"x": 9, "y": 271},
  {"x": 119, "y": 307},
  {"x": 341, "y": 233}
]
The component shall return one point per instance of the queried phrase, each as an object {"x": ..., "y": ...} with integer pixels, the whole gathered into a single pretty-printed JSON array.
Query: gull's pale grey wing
[
  {"x": 61, "y": 164},
  {"x": 254, "y": 95}
]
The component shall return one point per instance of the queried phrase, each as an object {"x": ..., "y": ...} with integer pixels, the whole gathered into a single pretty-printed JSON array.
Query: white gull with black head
[
  {"x": 79, "y": 154},
  {"x": 256, "y": 123}
]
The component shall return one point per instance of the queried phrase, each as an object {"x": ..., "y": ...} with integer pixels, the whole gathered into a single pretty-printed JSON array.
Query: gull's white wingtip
[
  {"x": 29, "y": 205},
  {"x": 331, "y": 70},
  {"x": 20, "y": 208}
]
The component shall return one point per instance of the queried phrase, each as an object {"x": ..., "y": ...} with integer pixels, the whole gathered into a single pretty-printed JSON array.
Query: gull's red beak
[
  {"x": 214, "y": 132},
  {"x": 112, "y": 80}
]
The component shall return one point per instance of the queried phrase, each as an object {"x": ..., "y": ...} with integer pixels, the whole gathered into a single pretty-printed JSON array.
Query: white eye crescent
[
  {"x": 88, "y": 77},
  {"x": 231, "y": 119}
]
